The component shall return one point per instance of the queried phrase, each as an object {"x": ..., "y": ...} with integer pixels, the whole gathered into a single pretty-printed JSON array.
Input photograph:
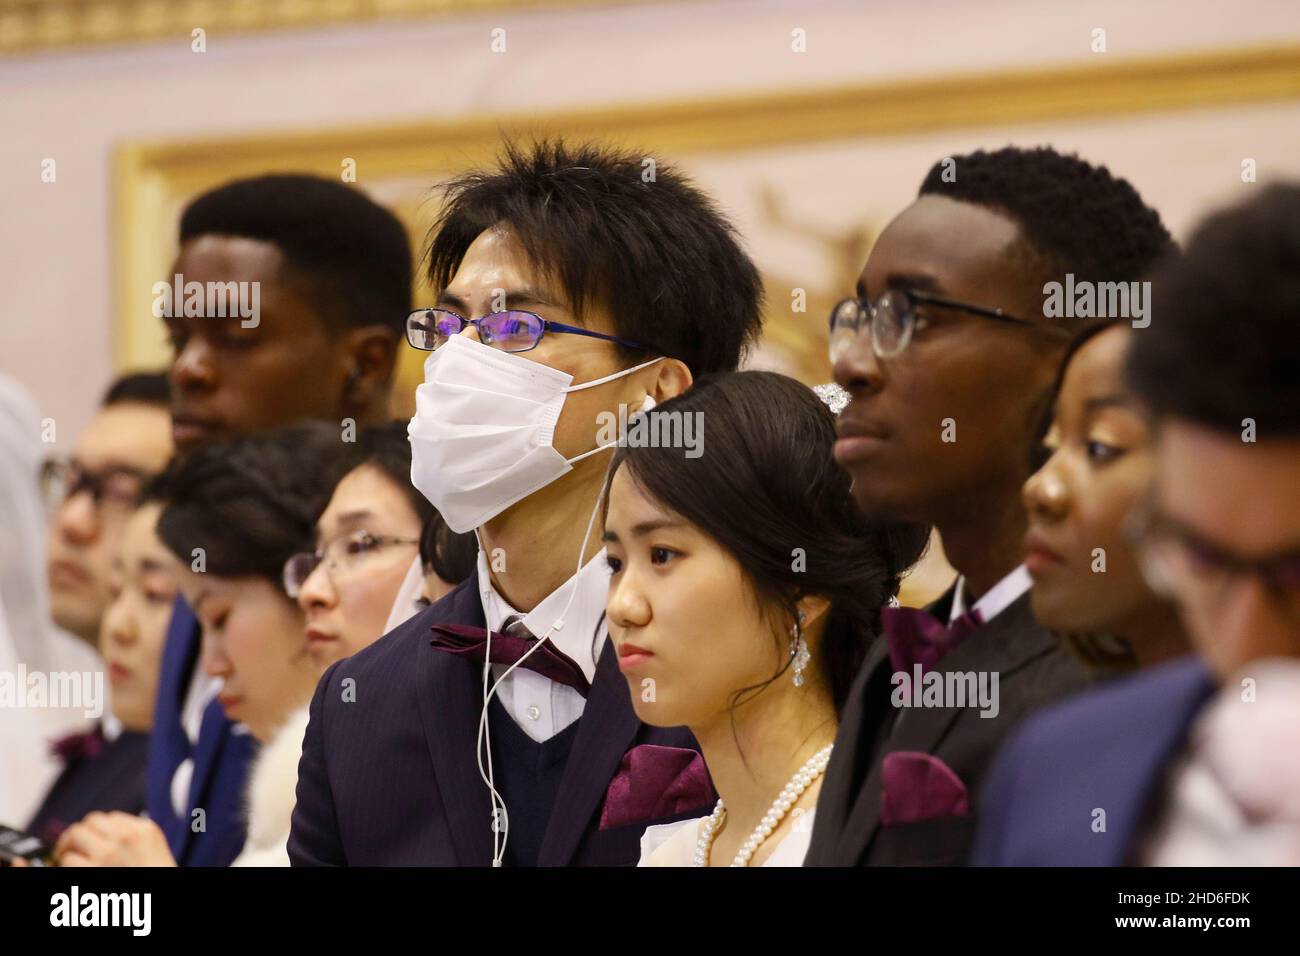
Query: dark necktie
[
  {"x": 507, "y": 648},
  {"x": 917, "y": 637}
]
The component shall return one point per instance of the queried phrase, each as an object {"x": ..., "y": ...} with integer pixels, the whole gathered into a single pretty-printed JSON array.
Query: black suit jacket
[
  {"x": 1033, "y": 667},
  {"x": 391, "y": 778},
  {"x": 114, "y": 779}
]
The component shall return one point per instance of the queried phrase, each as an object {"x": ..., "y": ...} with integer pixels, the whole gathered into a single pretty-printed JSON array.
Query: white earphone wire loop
[{"x": 484, "y": 734}]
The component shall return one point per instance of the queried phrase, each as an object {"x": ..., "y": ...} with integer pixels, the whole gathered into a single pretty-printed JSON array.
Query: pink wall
[{"x": 56, "y": 256}]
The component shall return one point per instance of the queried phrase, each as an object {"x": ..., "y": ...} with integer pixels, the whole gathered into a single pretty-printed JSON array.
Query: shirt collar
[
  {"x": 110, "y": 726},
  {"x": 996, "y": 599},
  {"x": 578, "y": 637}
]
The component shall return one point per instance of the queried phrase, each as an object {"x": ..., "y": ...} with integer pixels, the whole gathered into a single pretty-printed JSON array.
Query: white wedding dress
[{"x": 673, "y": 844}]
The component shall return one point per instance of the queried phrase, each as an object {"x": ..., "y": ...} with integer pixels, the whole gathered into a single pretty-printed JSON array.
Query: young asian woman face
[
  {"x": 1078, "y": 501},
  {"x": 372, "y": 533},
  {"x": 142, "y": 588},
  {"x": 253, "y": 640},
  {"x": 683, "y": 617}
]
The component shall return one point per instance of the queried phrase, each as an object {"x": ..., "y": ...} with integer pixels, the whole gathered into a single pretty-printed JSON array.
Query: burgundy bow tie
[
  {"x": 81, "y": 746},
  {"x": 471, "y": 643},
  {"x": 917, "y": 637}
]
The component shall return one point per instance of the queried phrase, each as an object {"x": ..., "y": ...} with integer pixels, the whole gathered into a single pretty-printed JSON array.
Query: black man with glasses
[
  {"x": 494, "y": 728},
  {"x": 1193, "y": 762},
  {"x": 947, "y": 356}
]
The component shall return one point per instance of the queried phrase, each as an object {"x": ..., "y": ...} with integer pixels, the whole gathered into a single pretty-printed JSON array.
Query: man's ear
[
  {"x": 372, "y": 353},
  {"x": 672, "y": 377}
]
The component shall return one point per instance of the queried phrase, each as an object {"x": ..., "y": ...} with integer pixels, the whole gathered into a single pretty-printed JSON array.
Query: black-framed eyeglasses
[
  {"x": 892, "y": 320},
  {"x": 343, "y": 553},
  {"x": 114, "y": 489},
  {"x": 1179, "y": 564},
  {"x": 512, "y": 331}
]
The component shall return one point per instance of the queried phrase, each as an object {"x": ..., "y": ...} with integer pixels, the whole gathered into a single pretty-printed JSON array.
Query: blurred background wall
[{"x": 811, "y": 151}]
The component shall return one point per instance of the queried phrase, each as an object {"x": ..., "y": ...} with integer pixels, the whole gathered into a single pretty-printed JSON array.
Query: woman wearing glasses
[
  {"x": 367, "y": 540},
  {"x": 235, "y": 513},
  {"x": 1084, "y": 505}
]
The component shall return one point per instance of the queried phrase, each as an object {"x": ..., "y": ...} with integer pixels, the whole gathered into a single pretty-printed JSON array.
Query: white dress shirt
[
  {"x": 541, "y": 707},
  {"x": 996, "y": 599}
]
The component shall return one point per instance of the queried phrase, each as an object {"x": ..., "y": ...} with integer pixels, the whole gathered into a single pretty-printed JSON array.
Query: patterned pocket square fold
[
  {"x": 919, "y": 786},
  {"x": 653, "y": 782}
]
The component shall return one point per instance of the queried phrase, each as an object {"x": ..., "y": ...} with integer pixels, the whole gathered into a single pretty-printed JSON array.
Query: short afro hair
[
  {"x": 349, "y": 255},
  {"x": 1073, "y": 217},
  {"x": 656, "y": 252},
  {"x": 250, "y": 503},
  {"x": 1223, "y": 344}
]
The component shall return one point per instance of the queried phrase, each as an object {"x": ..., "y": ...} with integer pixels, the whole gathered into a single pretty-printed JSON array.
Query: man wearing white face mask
[{"x": 495, "y": 727}]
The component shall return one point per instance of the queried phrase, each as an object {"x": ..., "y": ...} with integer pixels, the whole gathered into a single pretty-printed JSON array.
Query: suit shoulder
[{"x": 1112, "y": 710}]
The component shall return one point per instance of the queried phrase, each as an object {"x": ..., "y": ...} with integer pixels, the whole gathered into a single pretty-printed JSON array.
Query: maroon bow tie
[
  {"x": 77, "y": 747},
  {"x": 917, "y": 637},
  {"x": 508, "y": 648}
]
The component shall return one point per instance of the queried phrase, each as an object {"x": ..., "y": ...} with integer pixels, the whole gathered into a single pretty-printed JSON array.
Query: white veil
[{"x": 29, "y": 640}]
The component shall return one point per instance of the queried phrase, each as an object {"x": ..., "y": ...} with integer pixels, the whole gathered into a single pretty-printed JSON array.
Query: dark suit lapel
[
  {"x": 450, "y": 701},
  {"x": 606, "y": 730},
  {"x": 1003, "y": 645},
  {"x": 859, "y": 724}
]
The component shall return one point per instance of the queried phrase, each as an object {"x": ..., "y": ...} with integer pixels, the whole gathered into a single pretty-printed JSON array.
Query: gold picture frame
[
  {"x": 34, "y": 26},
  {"x": 153, "y": 180}
]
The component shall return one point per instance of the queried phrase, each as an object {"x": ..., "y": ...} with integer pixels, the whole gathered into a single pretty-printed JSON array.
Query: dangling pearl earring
[{"x": 798, "y": 651}]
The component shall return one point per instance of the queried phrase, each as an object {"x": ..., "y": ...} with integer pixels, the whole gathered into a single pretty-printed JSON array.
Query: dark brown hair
[{"x": 765, "y": 485}]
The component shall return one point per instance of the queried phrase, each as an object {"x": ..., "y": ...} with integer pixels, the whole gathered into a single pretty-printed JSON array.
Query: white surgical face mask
[{"x": 482, "y": 431}]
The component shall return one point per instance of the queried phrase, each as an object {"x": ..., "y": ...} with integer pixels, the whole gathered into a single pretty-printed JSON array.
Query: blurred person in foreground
[
  {"x": 30, "y": 642},
  {"x": 1196, "y": 761}
]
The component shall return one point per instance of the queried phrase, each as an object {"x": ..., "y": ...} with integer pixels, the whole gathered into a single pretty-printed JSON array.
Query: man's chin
[{"x": 879, "y": 500}]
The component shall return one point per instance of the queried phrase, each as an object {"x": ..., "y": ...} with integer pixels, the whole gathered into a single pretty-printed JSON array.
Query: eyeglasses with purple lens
[{"x": 512, "y": 331}]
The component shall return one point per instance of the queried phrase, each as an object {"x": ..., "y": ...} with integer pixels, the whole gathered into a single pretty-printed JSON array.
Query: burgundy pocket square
[
  {"x": 654, "y": 782},
  {"x": 919, "y": 786}
]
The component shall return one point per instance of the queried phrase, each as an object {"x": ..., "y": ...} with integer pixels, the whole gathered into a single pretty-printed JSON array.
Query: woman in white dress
[{"x": 745, "y": 590}]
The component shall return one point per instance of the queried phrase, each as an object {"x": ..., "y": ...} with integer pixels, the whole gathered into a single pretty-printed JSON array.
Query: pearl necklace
[{"x": 793, "y": 790}]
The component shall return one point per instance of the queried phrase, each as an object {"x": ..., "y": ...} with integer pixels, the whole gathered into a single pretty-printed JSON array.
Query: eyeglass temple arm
[
  {"x": 926, "y": 298},
  {"x": 575, "y": 330}
]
